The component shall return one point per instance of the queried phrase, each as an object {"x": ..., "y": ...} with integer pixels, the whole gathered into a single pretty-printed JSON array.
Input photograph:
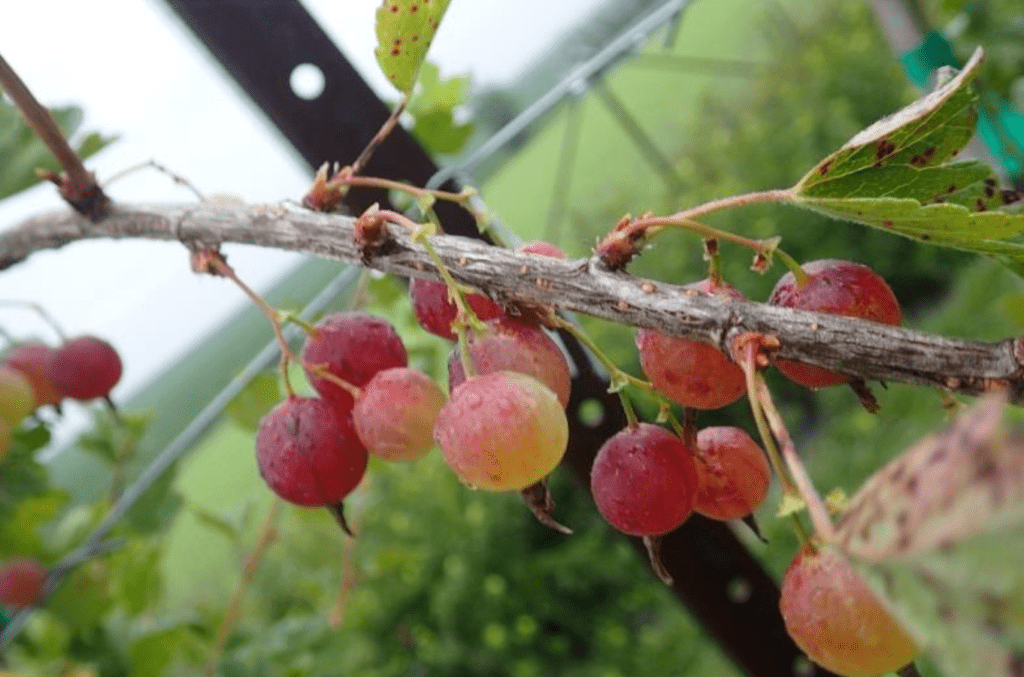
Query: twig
[
  {"x": 866, "y": 349},
  {"x": 252, "y": 562},
  {"x": 378, "y": 138},
  {"x": 79, "y": 186}
]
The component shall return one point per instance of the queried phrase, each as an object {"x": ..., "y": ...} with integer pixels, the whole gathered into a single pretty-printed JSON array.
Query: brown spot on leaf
[
  {"x": 926, "y": 237},
  {"x": 912, "y": 484},
  {"x": 1010, "y": 196},
  {"x": 989, "y": 191},
  {"x": 885, "y": 149},
  {"x": 980, "y": 205},
  {"x": 923, "y": 158},
  {"x": 887, "y": 223},
  {"x": 394, "y": 9},
  {"x": 414, "y": 8},
  {"x": 825, "y": 166},
  {"x": 952, "y": 188}
]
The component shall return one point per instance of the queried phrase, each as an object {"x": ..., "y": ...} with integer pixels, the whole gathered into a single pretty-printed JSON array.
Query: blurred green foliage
[
  {"x": 996, "y": 24},
  {"x": 23, "y": 153}
]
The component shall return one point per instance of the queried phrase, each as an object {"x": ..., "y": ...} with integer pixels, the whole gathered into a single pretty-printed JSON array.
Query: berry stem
[
  {"x": 252, "y": 562},
  {"x": 627, "y": 407},
  {"x": 322, "y": 371},
  {"x": 461, "y": 199},
  {"x": 815, "y": 507},
  {"x": 41, "y": 312},
  {"x": 748, "y": 363},
  {"x": 465, "y": 317},
  {"x": 714, "y": 259},
  {"x": 794, "y": 267},
  {"x": 219, "y": 265},
  {"x": 617, "y": 377}
]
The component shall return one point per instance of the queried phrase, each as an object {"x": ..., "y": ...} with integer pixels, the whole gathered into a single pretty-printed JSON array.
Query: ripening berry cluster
[
  {"x": 33, "y": 375},
  {"x": 502, "y": 428},
  {"x": 646, "y": 481}
]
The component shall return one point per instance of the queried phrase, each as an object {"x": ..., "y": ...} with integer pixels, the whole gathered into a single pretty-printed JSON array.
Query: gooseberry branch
[{"x": 865, "y": 349}]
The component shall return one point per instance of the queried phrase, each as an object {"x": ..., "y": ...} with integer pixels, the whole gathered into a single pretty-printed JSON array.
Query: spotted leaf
[
  {"x": 899, "y": 175},
  {"x": 405, "y": 29},
  {"x": 939, "y": 533}
]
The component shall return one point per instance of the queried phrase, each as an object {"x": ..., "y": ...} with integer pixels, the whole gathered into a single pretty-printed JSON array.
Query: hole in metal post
[{"x": 307, "y": 81}]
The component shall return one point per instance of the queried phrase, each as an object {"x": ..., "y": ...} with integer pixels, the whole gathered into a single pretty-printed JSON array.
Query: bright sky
[{"x": 138, "y": 73}]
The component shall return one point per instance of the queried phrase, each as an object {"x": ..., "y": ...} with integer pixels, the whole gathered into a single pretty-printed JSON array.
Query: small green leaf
[
  {"x": 438, "y": 132},
  {"x": 157, "y": 506},
  {"x": 254, "y": 401},
  {"x": 83, "y": 600},
  {"x": 152, "y": 654},
  {"x": 432, "y": 107},
  {"x": 217, "y": 524},
  {"x": 137, "y": 577},
  {"x": 435, "y": 93},
  {"x": 405, "y": 29},
  {"x": 20, "y": 531},
  {"x": 939, "y": 532}
]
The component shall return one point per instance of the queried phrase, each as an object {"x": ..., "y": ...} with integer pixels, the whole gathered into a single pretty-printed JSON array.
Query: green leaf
[
  {"x": 254, "y": 401},
  {"x": 217, "y": 524},
  {"x": 21, "y": 476},
  {"x": 405, "y": 29},
  {"x": 23, "y": 152},
  {"x": 83, "y": 600},
  {"x": 432, "y": 107},
  {"x": 157, "y": 506},
  {"x": 435, "y": 93},
  {"x": 20, "y": 531},
  {"x": 438, "y": 132},
  {"x": 153, "y": 653},
  {"x": 137, "y": 579},
  {"x": 896, "y": 175},
  {"x": 939, "y": 532}
]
